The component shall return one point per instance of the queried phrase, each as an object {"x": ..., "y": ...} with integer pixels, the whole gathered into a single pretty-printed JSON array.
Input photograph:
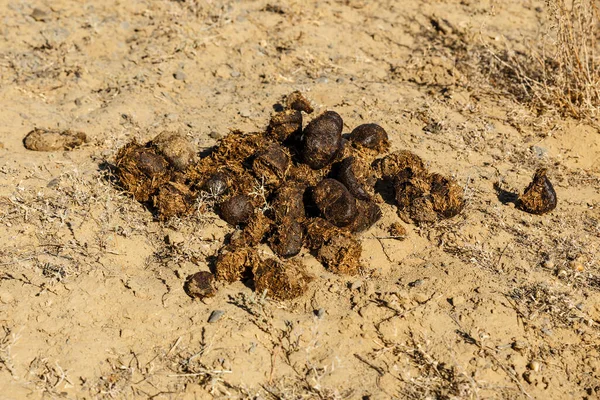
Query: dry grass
[
  {"x": 557, "y": 72},
  {"x": 562, "y": 72}
]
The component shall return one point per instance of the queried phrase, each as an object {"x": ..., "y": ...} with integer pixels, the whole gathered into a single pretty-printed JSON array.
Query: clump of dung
[
  {"x": 358, "y": 177},
  {"x": 286, "y": 189},
  {"x": 281, "y": 280},
  {"x": 234, "y": 263},
  {"x": 271, "y": 165},
  {"x": 178, "y": 151},
  {"x": 539, "y": 197},
  {"x": 52, "y": 140},
  {"x": 173, "y": 200},
  {"x": 335, "y": 202},
  {"x": 322, "y": 140},
  {"x": 297, "y": 101},
  {"x": 370, "y": 136},
  {"x": 141, "y": 171},
  {"x": 237, "y": 209},
  {"x": 287, "y": 239},
  {"x": 200, "y": 285}
]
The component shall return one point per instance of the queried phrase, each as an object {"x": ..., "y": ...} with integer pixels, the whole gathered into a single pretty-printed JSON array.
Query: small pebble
[
  {"x": 355, "y": 285},
  {"x": 215, "y": 316},
  {"x": 535, "y": 366},
  {"x": 416, "y": 283},
  {"x": 245, "y": 113},
  {"x": 528, "y": 377},
  {"x": 576, "y": 266},
  {"x": 179, "y": 75},
  {"x": 539, "y": 151},
  {"x": 215, "y": 135},
  {"x": 519, "y": 345},
  {"x": 174, "y": 238},
  {"x": 6, "y": 297},
  {"x": 548, "y": 264},
  {"x": 320, "y": 312},
  {"x": 39, "y": 15},
  {"x": 457, "y": 301},
  {"x": 421, "y": 298}
]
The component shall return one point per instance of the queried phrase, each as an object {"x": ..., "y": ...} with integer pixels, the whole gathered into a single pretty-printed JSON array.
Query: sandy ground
[{"x": 494, "y": 303}]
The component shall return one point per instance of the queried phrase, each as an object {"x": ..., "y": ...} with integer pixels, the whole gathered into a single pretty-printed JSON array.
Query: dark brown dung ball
[
  {"x": 237, "y": 209},
  {"x": 322, "y": 139},
  {"x": 297, "y": 101},
  {"x": 288, "y": 238},
  {"x": 539, "y": 197},
  {"x": 368, "y": 213},
  {"x": 200, "y": 285},
  {"x": 217, "y": 184},
  {"x": 178, "y": 151},
  {"x": 389, "y": 166},
  {"x": 357, "y": 177},
  {"x": 271, "y": 165},
  {"x": 288, "y": 203},
  {"x": 173, "y": 200},
  {"x": 141, "y": 171},
  {"x": 335, "y": 202},
  {"x": 281, "y": 280},
  {"x": 285, "y": 125},
  {"x": 447, "y": 196},
  {"x": 341, "y": 254},
  {"x": 233, "y": 263},
  {"x": 371, "y": 136}
]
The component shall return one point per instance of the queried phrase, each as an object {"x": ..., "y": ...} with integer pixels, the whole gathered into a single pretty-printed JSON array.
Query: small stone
[
  {"x": 390, "y": 330},
  {"x": 6, "y": 298},
  {"x": 174, "y": 238},
  {"x": 215, "y": 316},
  {"x": 356, "y": 284},
  {"x": 215, "y": 135},
  {"x": 548, "y": 264},
  {"x": 235, "y": 74},
  {"x": 457, "y": 301},
  {"x": 127, "y": 333},
  {"x": 535, "y": 366},
  {"x": 421, "y": 298},
  {"x": 245, "y": 113},
  {"x": 179, "y": 75},
  {"x": 39, "y": 15},
  {"x": 519, "y": 345},
  {"x": 416, "y": 283},
  {"x": 528, "y": 376},
  {"x": 576, "y": 266},
  {"x": 320, "y": 312},
  {"x": 538, "y": 151}
]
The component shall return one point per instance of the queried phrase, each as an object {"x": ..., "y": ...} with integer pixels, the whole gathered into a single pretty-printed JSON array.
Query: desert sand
[{"x": 492, "y": 303}]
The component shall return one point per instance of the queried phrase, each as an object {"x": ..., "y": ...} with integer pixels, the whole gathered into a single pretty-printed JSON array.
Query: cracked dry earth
[{"x": 492, "y": 303}]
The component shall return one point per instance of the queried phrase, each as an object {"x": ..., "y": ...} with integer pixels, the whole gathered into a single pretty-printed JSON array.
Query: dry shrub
[{"x": 562, "y": 72}]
